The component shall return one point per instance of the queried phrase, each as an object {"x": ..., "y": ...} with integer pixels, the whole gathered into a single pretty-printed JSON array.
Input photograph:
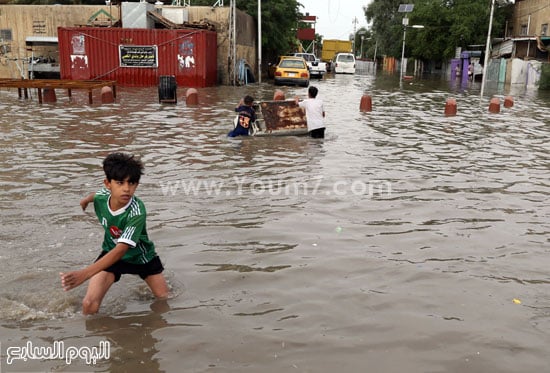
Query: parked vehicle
[
  {"x": 331, "y": 47},
  {"x": 316, "y": 67},
  {"x": 292, "y": 70},
  {"x": 344, "y": 63},
  {"x": 272, "y": 67}
]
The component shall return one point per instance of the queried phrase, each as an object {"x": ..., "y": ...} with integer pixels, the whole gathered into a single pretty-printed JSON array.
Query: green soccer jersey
[{"x": 126, "y": 225}]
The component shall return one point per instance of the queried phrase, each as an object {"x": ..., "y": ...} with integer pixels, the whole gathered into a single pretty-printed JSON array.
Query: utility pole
[
  {"x": 487, "y": 50},
  {"x": 355, "y": 22},
  {"x": 259, "y": 41},
  {"x": 232, "y": 50}
]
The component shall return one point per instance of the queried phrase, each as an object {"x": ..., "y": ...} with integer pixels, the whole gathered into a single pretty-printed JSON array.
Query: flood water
[{"x": 405, "y": 241}]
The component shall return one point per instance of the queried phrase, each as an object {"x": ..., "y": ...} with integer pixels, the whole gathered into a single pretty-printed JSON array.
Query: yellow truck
[{"x": 333, "y": 46}]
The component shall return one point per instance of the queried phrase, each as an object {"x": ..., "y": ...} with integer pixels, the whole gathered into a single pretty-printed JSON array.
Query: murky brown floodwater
[{"x": 403, "y": 242}]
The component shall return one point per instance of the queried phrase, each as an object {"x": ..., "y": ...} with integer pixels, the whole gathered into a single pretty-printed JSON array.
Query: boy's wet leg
[
  {"x": 97, "y": 288},
  {"x": 157, "y": 284}
]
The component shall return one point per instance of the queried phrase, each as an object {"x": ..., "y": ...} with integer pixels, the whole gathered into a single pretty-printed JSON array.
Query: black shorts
[
  {"x": 318, "y": 133},
  {"x": 154, "y": 267}
]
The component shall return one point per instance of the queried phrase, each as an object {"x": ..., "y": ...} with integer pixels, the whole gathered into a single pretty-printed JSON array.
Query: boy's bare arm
[
  {"x": 72, "y": 279},
  {"x": 86, "y": 200}
]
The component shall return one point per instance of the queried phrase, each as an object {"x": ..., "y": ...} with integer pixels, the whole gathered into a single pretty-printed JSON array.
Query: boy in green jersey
[{"x": 126, "y": 245}]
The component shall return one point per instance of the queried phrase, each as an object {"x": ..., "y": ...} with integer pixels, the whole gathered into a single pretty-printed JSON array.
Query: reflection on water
[
  {"x": 133, "y": 345},
  {"x": 401, "y": 240}
]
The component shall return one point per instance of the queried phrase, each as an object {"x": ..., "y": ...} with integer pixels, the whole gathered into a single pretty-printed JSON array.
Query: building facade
[
  {"x": 531, "y": 17},
  {"x": 27, "y": 31},
  {"x": 530, "y": 29}
]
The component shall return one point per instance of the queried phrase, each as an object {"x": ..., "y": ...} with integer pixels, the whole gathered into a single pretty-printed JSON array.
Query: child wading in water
[
  {"x": 247, "y": 116},
  {"x": 126, "y": 245}
]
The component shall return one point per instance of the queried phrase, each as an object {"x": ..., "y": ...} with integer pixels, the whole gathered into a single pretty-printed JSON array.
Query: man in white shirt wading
[{"x": 315, "y": 113}]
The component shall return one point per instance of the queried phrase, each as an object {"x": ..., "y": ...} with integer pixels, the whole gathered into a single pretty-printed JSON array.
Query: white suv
[{"x": 344, "y": 63}]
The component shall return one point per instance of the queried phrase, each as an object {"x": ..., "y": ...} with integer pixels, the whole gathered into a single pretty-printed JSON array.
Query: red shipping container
[{"x": 138, "y": 57}]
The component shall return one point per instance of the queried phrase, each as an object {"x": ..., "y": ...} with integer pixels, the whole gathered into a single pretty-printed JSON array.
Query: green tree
[
  {"x": 279, "y": 22},
  {"x": 386, "y": 25},
  {"x": 318, "y": 45},
  {"x": 448, "y": 24}
]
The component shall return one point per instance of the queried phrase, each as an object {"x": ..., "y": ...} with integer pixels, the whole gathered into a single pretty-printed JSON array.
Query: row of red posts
[
  {"x": 494, "y": 105},
  {"x": 107, "y": 96},
  {"x": 192, "y": 98},
  {"x": 450, "y": 105}
]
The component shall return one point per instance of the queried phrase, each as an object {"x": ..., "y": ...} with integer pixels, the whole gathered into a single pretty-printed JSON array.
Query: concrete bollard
[
  {"x": 494, "y": 105},
  {"x": 508, "y": 101},
  {"x": 450, "y": 107},
  {"x": 107, "y": 96},
  {"x": 366, "y": 103},
  {"x": 279, "y": 95},
  {"x": 49, "y": 95},
  {"x": 191, "y": 97}
]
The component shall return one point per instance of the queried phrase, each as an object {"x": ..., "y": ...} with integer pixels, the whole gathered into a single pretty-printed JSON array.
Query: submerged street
[{"x": 403, "y": 241}]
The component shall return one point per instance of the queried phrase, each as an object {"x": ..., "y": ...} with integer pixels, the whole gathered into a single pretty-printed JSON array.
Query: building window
[
  {"x": 5, "y": 35},
  {"x": 544, "y": 29},
  {"x": 523, "y": 30}
]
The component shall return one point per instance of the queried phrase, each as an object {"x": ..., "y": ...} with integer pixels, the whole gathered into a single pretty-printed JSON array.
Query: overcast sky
[{"x": 335, "y": 17}]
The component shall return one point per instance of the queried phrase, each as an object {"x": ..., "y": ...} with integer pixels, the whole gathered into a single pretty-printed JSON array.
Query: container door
[{"x": 80, "y": 67}]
